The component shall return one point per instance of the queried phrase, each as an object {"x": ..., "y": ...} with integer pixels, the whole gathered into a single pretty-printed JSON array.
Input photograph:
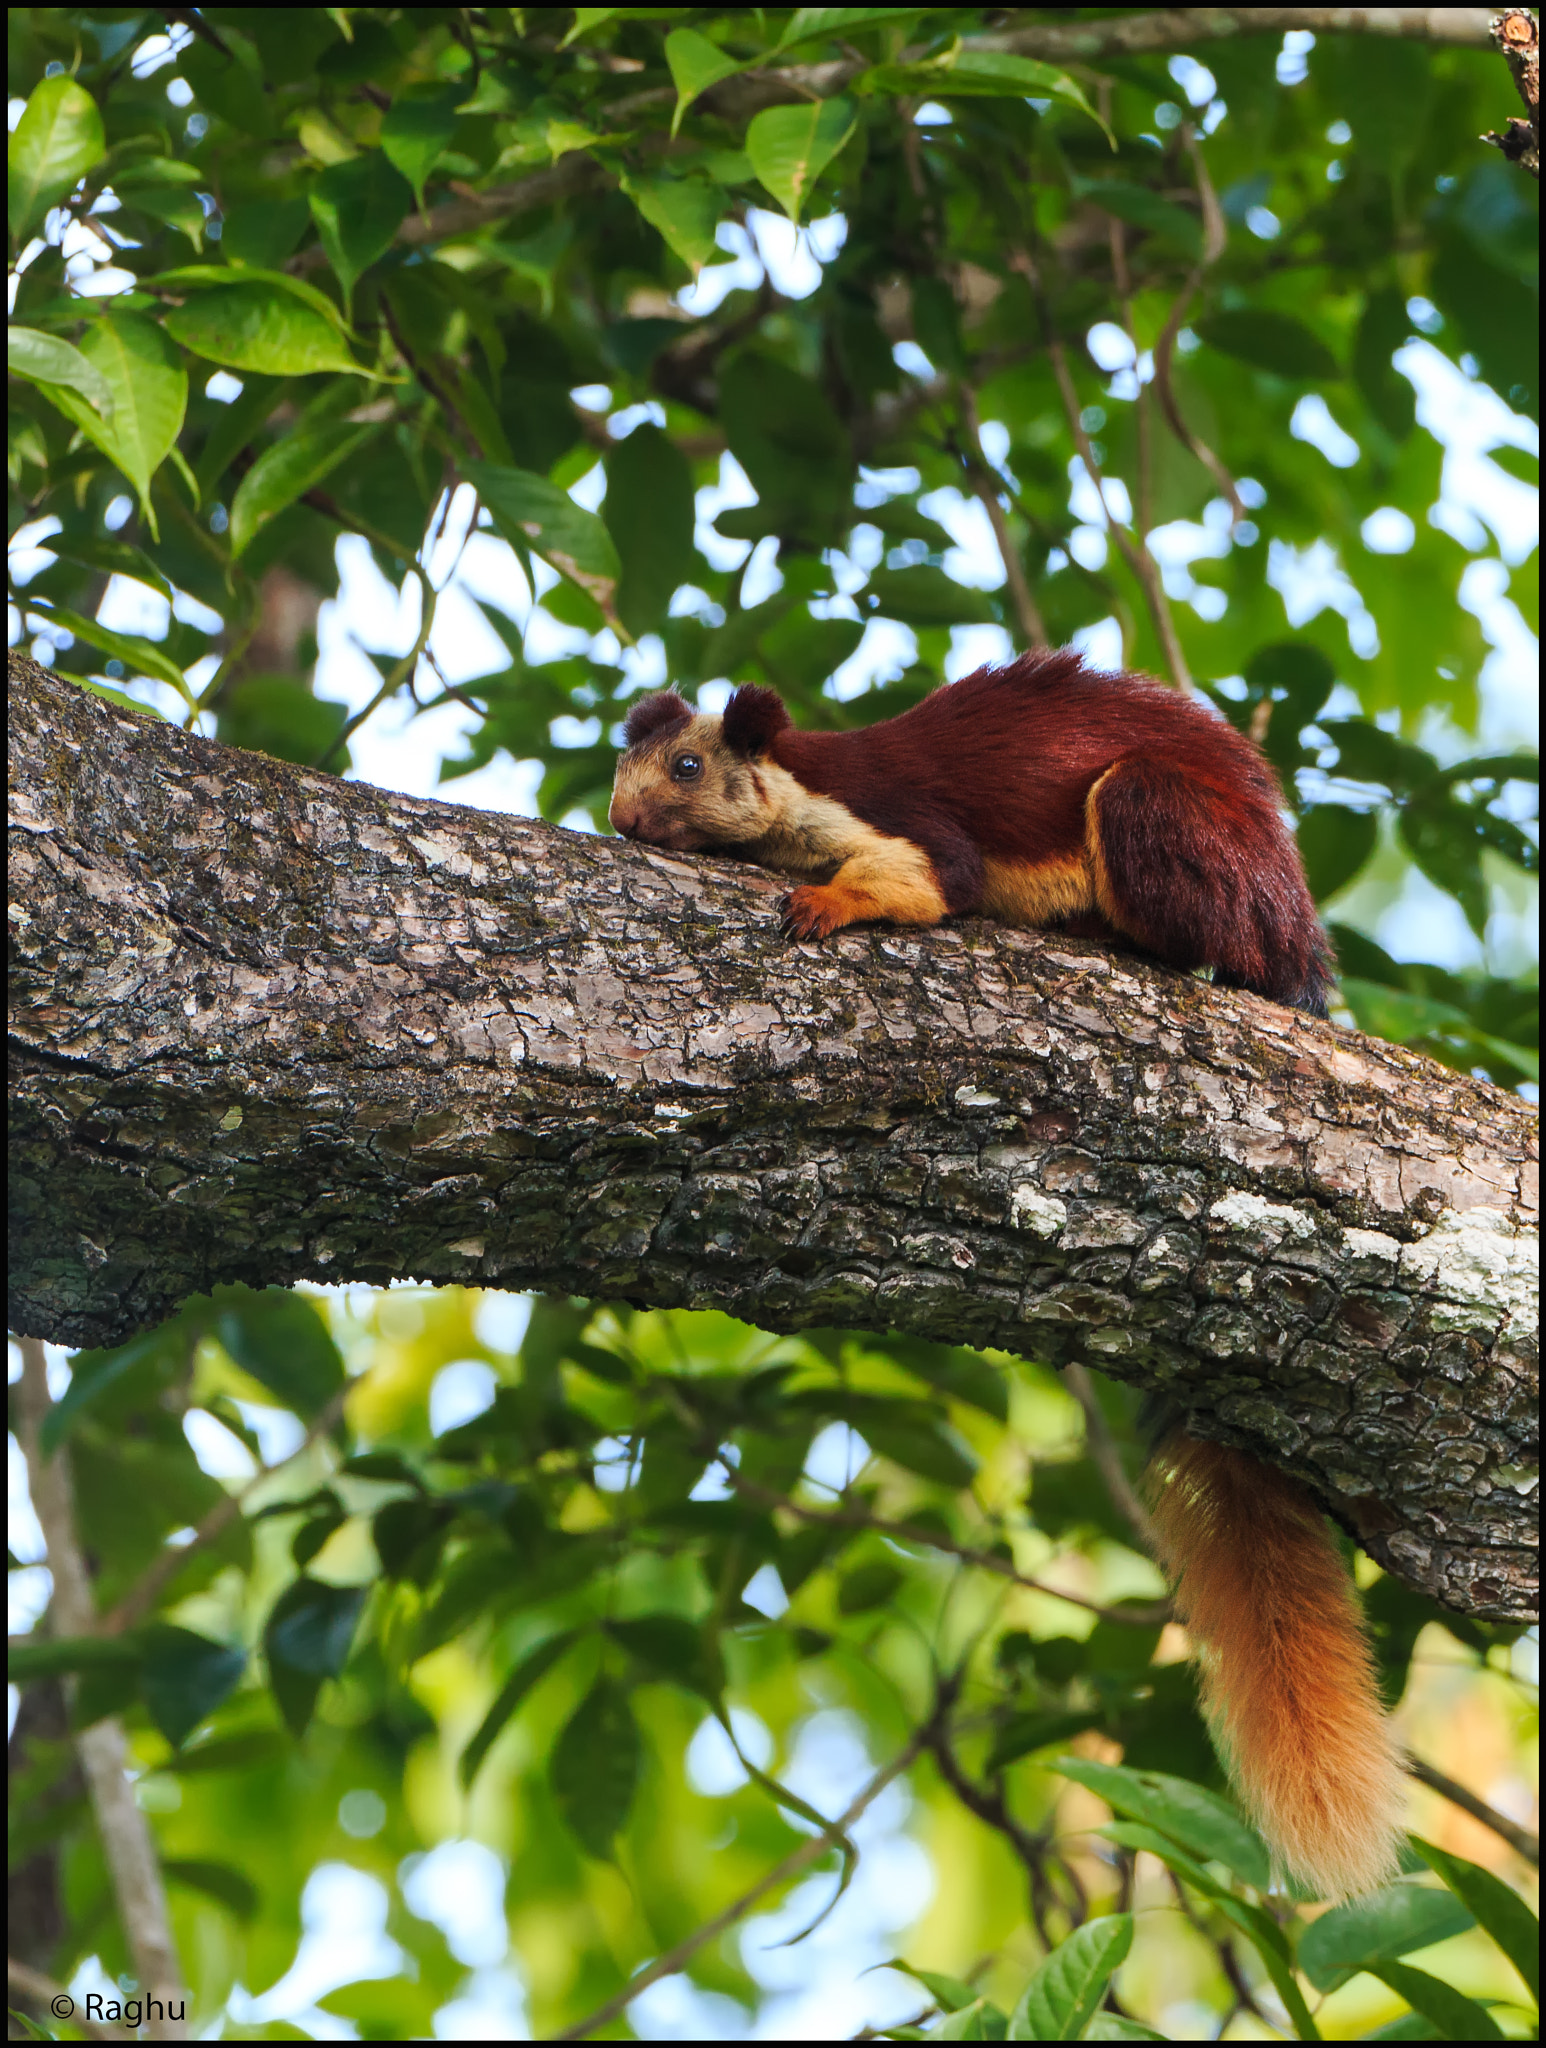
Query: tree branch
[
  {"x": 143, "y": 1595},
  {"x": 809, "y": 1852},
  {"x": 1518, "y": 1838},
  {"x": 905, "y": 1532},
  {"x": 1133, "y": 548},
  {"x": 269, "y": 1026},
  {"x": 1517, "y": 33},
  {"x": 124, "y": 1832},
  {"x": 1098, "y": 33}
]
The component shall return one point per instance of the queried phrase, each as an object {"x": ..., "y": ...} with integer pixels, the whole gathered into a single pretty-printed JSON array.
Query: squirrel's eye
[{"x": 686, "y": 767}]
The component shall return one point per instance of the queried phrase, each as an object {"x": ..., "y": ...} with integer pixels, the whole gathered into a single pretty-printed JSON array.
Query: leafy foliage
[
  {"x": 659, "y": 1529},
  {"x": 411, "y": 239},
  {"x": 365, "y": 258}
]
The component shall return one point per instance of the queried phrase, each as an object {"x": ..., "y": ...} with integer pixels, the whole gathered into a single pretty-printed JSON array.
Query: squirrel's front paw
[{"x": 813, "y": 912}]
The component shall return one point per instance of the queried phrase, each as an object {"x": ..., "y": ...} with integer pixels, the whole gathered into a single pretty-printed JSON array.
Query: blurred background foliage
[{"x": 540, "y": 1652}]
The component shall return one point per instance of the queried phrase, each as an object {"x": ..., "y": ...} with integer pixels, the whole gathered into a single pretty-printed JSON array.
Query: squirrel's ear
[
  {"x": 652, "y": 714},
  {"x": 753, "y": 718}
]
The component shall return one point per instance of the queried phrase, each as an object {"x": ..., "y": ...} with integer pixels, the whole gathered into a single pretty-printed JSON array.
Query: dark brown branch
[
  {"x": 1517, "y": 33},
  {"x": 268, "y": 1026}
]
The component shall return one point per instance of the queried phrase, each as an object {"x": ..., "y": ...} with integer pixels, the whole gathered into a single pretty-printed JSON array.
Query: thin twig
[
  {"x": 1229, "y": 1962},
  {"x": 394, "y": 678},
  {"x": 1135, "y": 553},
  {"x": 980, "y": 477},
  {"x": 1121, "y": 277},
  {"x": 809, "y": 1852},
  {"x": 160, "y": 1573},
  {"x": 1149, "y": 1616},
  {"x": 1107, "y": 1459},
  {"x": 990, "y": 1808},
  {"x": 1528, "y": 1845},
  {"x": 123, "y": 1830},
  {"x": 1214, "y": 236}
]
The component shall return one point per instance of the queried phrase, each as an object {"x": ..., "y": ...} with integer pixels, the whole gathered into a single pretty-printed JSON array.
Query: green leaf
[
  {"x": 277, "y": 715},
  {"x": 684, "y": 211},
  {"x": 595, "y": 1767},
  {"x": 695, "y": 64},
  {"x": 257, "y": 1749},
  {"x": 280, "y": 1339},
  {"x": 1269, "y": 341},
  {"x": 221, "y": 1882},
  {"x": 139, "y": 656},
  {"x": 50, "y": 359},
  {"x": 58, "y": 1656},
  {"x": 950, "y": 1994},
  {"x": 923, "y": 596},
  {"x": 234, "y": 428},
  {"x": 1378, "y": 1928},
  {"x": 184, "y": 1677},
  {"x": 1198, "y": 1819},
  {"x": 251, "y": 324},
  {"x": 1113, "y": 2026},
  {"x": 933, "y": 1449},
  {"x": 1498, "y": 1909},
  {"x": 790, "y": 147},
  {"x": 867, "y": 1586},
  {"x": 308, "y": 1638},
  {"x": 112, "y": 556},
  {"x": 532, "y": 513},
  {"x": 1334, "y": 843},
  {"x": 999, "y": 73},
  {"x": 1457, "y": 2017},
  {"x": 1060, "y": 2000},
  {"x": 358, "y": 206},
  {"x": 416, "y": 128},
  {"x": 149, "y": 389},
  {"x": 532, "y": 1668},
  {"x": 965, "y": 2025},
  {"x": 286, "y": 471},
  {"x": 57, "y": 140},
  {"x": 1144, "y": 209},
  {"x": 1024, "y": 1733},
  {"x": 807, "y": 23},
  {"x": 671, "y": 1648}
]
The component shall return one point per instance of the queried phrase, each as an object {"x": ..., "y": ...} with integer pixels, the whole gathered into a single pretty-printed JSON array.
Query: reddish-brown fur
[
  {"x": 1201, "y": 870},
  {"x": 1288, "y": 1681}
]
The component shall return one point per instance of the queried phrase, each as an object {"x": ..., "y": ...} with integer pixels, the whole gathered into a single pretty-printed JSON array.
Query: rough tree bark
[{"x": 270, "y": 1026}]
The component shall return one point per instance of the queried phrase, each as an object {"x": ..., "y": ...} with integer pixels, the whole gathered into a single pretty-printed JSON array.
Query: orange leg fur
[
  {"x": 893, "y": 879},
  {"x": 1288, "y": 1682}
]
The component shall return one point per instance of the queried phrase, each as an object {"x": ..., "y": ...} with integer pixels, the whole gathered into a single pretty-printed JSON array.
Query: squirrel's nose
[{"x": 626, "y": 822}]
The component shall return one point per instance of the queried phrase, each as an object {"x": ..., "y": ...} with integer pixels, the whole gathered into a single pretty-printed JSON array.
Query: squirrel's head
[{"x": 688, "y": 779}]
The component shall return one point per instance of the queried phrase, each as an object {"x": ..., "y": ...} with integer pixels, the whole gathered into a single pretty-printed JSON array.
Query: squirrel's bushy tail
[{"x": 1288, "y": 1680}]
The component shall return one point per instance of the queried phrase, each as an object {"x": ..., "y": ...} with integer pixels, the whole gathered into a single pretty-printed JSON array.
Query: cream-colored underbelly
[{"x": 1037, "y": 893}]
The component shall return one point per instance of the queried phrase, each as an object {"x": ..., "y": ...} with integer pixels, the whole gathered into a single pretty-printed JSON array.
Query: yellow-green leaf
[
  {"x": 50, "y": 359},
  {"x": 138, "y": 655},
  {"x": 149, "y": 388},
  {"x": 258, "y": 326},
  {"x": 790, "y": 147},
  {"x": 684, "y": 211},
  {"x": 695, "y": 64},
  {"x": 57, "y": 140},
  {"x": 284, "y": 472}
]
